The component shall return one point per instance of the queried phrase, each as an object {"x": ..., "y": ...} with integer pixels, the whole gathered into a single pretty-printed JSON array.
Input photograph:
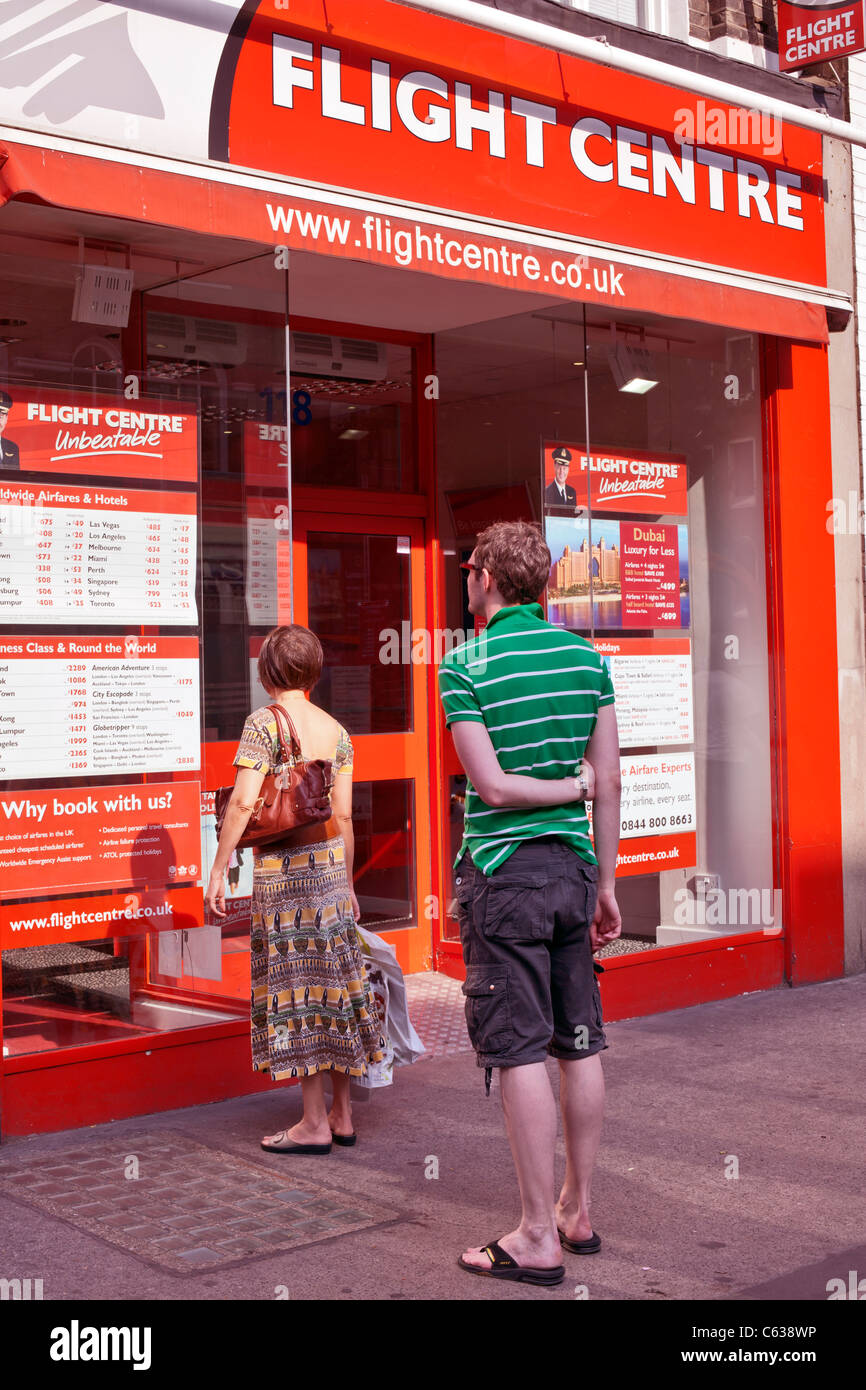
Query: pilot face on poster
[
  {"x": 8, "y": 450},
  {"x": 558, "y": 495}
]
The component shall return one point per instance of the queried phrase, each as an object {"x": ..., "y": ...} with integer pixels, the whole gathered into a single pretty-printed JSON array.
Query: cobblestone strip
[{"x": 189, "y": 1206}]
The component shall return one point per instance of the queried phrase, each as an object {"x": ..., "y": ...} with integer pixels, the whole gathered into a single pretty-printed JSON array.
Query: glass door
[{"x": 359, "y": 585}]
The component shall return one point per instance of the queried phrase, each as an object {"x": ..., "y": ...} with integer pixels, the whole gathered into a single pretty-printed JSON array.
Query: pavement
[{"x": 731, "y": 1168}]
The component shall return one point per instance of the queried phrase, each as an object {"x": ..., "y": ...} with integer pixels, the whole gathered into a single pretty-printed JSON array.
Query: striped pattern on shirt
[{"x": 538, "y": 690}]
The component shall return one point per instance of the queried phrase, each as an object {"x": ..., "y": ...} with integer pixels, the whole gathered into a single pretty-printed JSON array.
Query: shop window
[
  {"x": 359, "y": 589},
  {"x": 684, "y": 626},
  {"x": 382, "y": 816},
  {"x": 135, "y": 595},
  {"x": 114, "y": 989},
  {"x": 100, "y": 758}
]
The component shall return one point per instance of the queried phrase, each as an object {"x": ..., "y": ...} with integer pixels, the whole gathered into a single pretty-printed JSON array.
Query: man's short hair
[
  {"x": 516, "y": 555},
  {"x": 290, "y": 659}
]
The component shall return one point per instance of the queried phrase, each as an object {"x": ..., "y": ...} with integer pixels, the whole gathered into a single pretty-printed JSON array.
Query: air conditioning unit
[
  {"x": 215, "y": 341},
  {"x": 320, "y": 354}
]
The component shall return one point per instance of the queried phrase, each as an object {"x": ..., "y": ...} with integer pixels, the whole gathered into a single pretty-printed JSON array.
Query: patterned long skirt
[{"x": 312, "y": 1009}]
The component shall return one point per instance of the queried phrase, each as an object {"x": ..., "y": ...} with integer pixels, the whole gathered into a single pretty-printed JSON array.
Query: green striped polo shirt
[{"x": 538, "y": 689}]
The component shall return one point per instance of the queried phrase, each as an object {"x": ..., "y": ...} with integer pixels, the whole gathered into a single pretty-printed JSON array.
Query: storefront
[{"x": 376, "y": 302}]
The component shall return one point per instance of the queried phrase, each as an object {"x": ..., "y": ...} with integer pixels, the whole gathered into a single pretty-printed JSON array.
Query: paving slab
[{"x": 730, "y": 1168}]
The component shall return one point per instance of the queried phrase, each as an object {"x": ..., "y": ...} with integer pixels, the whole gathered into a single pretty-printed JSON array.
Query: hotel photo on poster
[{"x": 639, "y": 572}]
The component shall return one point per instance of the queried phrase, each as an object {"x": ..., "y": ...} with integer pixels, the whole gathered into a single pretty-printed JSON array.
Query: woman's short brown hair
[
  {"x": 290, "y": 659},
  {"x": 515, "y": 553}
]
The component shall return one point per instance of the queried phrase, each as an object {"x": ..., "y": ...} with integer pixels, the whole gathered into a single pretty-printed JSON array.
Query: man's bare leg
[
  {"x": 581, "y": 1097},
  {"x": 530, "y": 1117}
]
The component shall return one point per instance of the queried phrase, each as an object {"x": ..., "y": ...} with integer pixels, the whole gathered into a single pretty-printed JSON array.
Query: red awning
[{"x": 245, "y": 205}]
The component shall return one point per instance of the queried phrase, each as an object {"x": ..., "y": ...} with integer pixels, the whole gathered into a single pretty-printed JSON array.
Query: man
[
  {"x": 535, "y": 900},
  {"x": 8, "y": 450},
  {"x": 558, "y": 496}
]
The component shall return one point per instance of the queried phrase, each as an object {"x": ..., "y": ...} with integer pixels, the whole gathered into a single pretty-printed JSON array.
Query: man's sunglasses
[{"x": 478, "y": 569}]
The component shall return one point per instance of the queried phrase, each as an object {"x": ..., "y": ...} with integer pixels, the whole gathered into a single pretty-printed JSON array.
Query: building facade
[{"x": 294, "y": 303}]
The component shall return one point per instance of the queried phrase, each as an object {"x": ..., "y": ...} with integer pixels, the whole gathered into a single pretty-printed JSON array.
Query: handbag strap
[{"x": 286, "y": 755}]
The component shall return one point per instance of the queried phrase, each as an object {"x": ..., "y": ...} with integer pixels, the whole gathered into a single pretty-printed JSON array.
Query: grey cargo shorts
[{"x": 531, "y": 988}]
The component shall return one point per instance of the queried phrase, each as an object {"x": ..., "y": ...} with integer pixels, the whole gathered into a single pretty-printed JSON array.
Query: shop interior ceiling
[{"x": 496, "y": 338}]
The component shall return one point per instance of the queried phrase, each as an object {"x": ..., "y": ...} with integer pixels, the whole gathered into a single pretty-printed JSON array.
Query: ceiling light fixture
[{"x": 632, "y": 369}]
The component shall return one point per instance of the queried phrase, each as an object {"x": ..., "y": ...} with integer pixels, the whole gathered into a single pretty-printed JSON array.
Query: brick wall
[
  {"x": 753, "y": 21},
  {"x": 699, "y": 19}
]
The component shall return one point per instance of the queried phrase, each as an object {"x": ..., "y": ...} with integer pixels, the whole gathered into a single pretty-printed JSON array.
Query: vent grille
[
  {"x": 102, "y": 295},
  {"x": 318, "y": 344}
]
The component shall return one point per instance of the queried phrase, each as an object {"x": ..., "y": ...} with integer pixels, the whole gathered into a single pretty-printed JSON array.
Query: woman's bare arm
[
  {"x": 248, "y": 784},
  {"x": 341, "y": 808}
]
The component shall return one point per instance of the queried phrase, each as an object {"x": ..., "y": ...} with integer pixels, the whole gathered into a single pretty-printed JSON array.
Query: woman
[{"x": 312, "y": 1010}]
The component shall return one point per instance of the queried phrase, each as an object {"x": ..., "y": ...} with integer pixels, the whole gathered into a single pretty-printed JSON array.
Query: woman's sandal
[
  {"x": 289, "y": 1147},
  {"x": 345, "y": 1140},
  {"x": 504, "y": 1267}
]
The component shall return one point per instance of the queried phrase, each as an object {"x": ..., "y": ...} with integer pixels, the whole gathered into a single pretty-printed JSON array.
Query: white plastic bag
[{"x": 389, "y": 989}]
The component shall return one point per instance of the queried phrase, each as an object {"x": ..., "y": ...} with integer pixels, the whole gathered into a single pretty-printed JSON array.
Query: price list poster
[
  {"x": 80, "y": 702},
  {"x": 97, "y": 555},
  {"x": 639, "y": 565},
  {"x": 99, "y": 705},
  {"x": 268, "y": 590}
]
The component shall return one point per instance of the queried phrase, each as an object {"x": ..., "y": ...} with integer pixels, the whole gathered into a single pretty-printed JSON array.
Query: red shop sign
[
  {"x": 369, "y": 97},
  {"x": 812, "y": 32}
]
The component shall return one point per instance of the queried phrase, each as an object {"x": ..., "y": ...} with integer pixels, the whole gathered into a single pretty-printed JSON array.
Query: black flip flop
[
  {"x": 345, "y": 1140},
  {"x": 504, "y": 1267},
  {"x": 580, "y": 1247}
]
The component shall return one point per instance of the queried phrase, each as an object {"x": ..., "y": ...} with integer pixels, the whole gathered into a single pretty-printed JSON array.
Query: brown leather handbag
[{"x": 296, "y": 793}]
